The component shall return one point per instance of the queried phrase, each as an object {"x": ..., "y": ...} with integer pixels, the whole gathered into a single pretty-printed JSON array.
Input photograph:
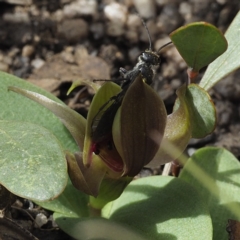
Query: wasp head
[{"x": 150, "y": 58}]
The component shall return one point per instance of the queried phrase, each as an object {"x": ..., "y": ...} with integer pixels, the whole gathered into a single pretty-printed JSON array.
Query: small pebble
[
  {"x": 20, "y": 2},
  {"x": 128, "y": 3},
  {"x": 58, "y": 15},
  {"x": 200, "y": 7},
  {"x": 8, "y": 60},
  {"x": 133, "y": 54},
  {"x": 166, "y": 92},
  {"x": 20, "y": 62},
  {"x": 34, "y": 11},
  {"x": 145, "y": 173},
  {"x": 191, "y": 151},
  {"x": 185, "y": 9},
  {"x": 98, "y": 30},
  {"x": 24, "y": 61},
  {"x": 132, "y": 35},
  {"x": 37, "y": 63},
  {"x": 170, "y": 19},
  {"x": 45, "y": 14},
  {"x": 116, "y": 13},
  {"x": 18, "y": 17},
  {"x": 80, "y": 8},
  {"x": 54, "y": 224},
  {"x": 146, "y": 8},
  {"x": 222, "y": 2},
  {"x": 110, "y": 53},
  {"x": 40, "y": 220},
  {"x": 27, "y": 51},
  {"x": 225, "y": 113},
  {"x": 22, "y": 72},
  {"x": 162, "y": 2},
  {"x": 224, "y": 17},
  {"x": 169, "y": 70},
  {"x": 36, "y": 38},
  {"x": 31, "y": 205},
  {"x": 87, "y": 7},
  {"x": 4, "y": 67},
  {"x": 115, "y": 29},
  {"x": 80, "y": 54},
  {"x": 229, "y": 87},
  {"x": 175, "y": 83},
  {"x": 19, "y": 203},
  {"x": 132, "y": 32},
  {"x": 73, "y": 30},
  {"x": 67, "y": 57},
  {"x": 16, "y": 63},
  {"x": 133, "y": 21}
]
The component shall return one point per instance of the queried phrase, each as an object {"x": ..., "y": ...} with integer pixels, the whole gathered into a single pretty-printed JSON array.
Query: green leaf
[
  {"x": 199, "y": 44},
  {"x": 96, "y": 228},
  {"x": 202, "y": 111},
  {"x": 162, "y": 208},
  {"x": 14, "y": 107},
  {"x": 71, "y": 203},
  {"x": 32, "y": 161},
  {"x": 215, "y": 173},
  {"x": 73, "y": 121},
  {"x": 229, "y": 61},
  {"x": 194, "y": 115}
]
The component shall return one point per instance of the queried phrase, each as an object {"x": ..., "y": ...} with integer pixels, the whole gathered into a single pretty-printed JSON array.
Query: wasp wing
[{"x": 102, "y": 122}]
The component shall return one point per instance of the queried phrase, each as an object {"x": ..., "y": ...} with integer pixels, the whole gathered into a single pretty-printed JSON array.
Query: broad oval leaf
[
  {"x": 199, "y": 44},
  {"x": 32, "y": 161},
  {"x": 73, "y": 121},
  {"x": 194, "y": 115},
  {"x": 202, "y": 111},
  {"x": 162, "y": 208},
  {"x": 229, "y": 61},
  {"x": 17, "y": 108},
  {"x": 215, "y": 173}
]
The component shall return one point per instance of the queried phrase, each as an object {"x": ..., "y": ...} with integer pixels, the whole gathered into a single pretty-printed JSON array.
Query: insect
[{"x": 102, "y": 122}]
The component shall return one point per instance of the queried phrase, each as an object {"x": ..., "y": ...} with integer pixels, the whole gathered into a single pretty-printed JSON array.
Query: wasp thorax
[{"x": 147, "y": 73}]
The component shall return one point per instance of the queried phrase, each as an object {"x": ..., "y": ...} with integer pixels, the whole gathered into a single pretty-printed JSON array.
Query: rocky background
[{"x": 53, "y": 43}]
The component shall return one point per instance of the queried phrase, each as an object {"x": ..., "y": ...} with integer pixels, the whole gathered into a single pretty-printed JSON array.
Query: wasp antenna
[
  {"x": 165, "y": 45},
  {"x": 102, "y": 80},
  {"x": 145, "y": 26}
]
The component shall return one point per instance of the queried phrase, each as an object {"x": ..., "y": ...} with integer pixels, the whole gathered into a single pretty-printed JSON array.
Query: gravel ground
[{"x": 52, "y": 43}]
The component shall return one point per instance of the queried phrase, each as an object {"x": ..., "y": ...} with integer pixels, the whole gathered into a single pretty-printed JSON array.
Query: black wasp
[{"x": 102, "y": 122}]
